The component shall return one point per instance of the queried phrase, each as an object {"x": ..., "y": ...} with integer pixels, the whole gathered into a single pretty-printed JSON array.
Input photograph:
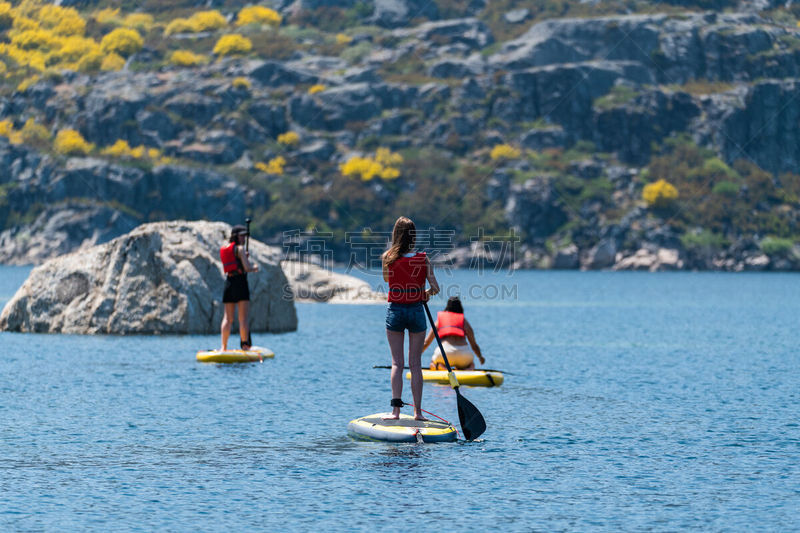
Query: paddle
[
  {"x": 472, "y": 422},
  {"x": 247, "y": 249},
  {"x": 247, "y": 237},
  {"x": 389, "y": 367}
]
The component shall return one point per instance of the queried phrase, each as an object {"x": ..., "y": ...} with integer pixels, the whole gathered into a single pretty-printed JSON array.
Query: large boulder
[{"x": 161, "y": 278}]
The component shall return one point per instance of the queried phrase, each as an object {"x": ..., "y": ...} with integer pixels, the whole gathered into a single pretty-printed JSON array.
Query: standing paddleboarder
[
  {"x": 236, "y": 264},
  {"x": 406, "y": 272}
]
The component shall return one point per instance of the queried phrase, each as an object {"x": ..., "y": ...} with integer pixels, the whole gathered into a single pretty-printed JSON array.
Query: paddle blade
[{"x": 472, "y": 423}]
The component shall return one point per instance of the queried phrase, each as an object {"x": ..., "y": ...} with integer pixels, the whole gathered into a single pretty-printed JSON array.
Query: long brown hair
[{"x": 403, "y": 238}]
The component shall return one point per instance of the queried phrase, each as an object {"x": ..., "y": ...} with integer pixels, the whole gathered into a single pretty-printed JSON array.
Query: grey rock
[
  {"x": 394, "y": 13},
  {"x": 161, "y": 278},
  {"x": 469, "y": 31},
  {"x": 515, "y": 16},
  {"x": 603, "y": 255},
  {"x": 541, "y": 138},
  {"x": 535, "y": 209},
  {"x": 194, "y": 107},
  {"x": 457, "y": 67},
  {"x": 276, "y": 74},
  {"x": 312, "y": 283},
  {"x": 314, "y": 152},
  {"x": 567, "y": 258}
]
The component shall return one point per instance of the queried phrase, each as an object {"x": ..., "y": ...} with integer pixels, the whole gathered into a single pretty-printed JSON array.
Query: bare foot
[
  {"x": 420, "y": 418},
  {"x": 393, "y": 416}
]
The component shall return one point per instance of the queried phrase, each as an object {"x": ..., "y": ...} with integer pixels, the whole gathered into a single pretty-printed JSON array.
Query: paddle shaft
[
  {"x": 247, "y": 237},
  {"x": 389, "y": 367},
  {"x": 438, "y": 340}
]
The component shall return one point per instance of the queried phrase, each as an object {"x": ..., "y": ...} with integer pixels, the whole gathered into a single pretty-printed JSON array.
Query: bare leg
[
  {"x": 396, "y": 339},
  {"x": 244, "y": 324},
  {"x": 227, "y": 322},
  {"x": 415, "y": 342}
]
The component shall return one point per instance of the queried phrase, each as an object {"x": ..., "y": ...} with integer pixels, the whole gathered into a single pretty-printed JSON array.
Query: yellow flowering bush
[
  {"x": 3, "y": 68},
  {"x": 241, "y": 83},
  {"x": 61, "y": 20},
  {"x": 659, "y": 194},
  {"x": 122, "y": 149},
  {"x": 318, "y": 88},
  {"x": 7, "y": 130},
  {"x": 232, "y": 44},
  {"x": 27, "y": 82},
  {"x": 187, "y": 58},
  {"x": 138, "y": 21},
  {"x": 71, "y": 142},
  {"x": 118, "y": 149},
  {"x": 38, "y": 39},
  {"x": 273, "y": 166},
  {"x": 33, "y": 133},
  {"x": 22, "y": 23},
  {"x": 387, "y": 158},
  {"x": 112, "y": 62},
  {"x": 342, "y": 38},
  {"x": 91, "y": 62},
  {"x": 289, "y": 138},
  {"x": 106, "y": 16},
  {"x": 122, "y": 41},
  {"x": 502, "y": 152},
  {"x": 367, "y": 168},
  {"x": 258, "y": 15},
  {"x": 73, "y": 49},
  {"x": 208, "y": 20},
  {"x": 364, "y": 167},
  {"x": 180, "y": 25},
  {"x": 200, "y": 21}
]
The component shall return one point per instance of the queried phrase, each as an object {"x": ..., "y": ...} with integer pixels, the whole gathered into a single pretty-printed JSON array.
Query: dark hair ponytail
[{"x": 454, "y": 305}]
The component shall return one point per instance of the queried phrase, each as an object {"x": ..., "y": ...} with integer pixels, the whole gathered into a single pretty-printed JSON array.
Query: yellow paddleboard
[
  {"x": 254, "y": 354},
  {"x": 406, "y": 429},
  {"x": 472, "y": 378}
]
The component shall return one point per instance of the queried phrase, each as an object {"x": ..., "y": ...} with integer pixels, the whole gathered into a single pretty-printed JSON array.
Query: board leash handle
[{"x": 451, "y": 376}]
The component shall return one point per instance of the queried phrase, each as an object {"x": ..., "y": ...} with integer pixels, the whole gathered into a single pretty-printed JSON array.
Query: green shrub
[
  {"x": 726, "y": 188},
  {"x": 777, "y": 247},
  {"x": 704, "y": 240}
]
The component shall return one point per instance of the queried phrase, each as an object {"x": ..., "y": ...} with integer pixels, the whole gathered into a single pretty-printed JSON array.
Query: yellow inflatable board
[
  {"x": 254, "y": 354},
  {"x": 404, "y": 429},
  {"x": 472, "y": 378}
]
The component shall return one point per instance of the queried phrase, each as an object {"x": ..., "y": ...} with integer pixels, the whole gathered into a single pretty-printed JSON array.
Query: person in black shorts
[{"x": 236, "y": 263}]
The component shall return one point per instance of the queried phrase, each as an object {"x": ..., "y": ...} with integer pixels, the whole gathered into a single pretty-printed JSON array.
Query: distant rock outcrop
[
  {"x": 161, "y": 278},
  {"x": 311, "y": 283}
]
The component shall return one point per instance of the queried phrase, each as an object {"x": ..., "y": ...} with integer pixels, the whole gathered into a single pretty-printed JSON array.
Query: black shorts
[{"x": 236, "y": 289}]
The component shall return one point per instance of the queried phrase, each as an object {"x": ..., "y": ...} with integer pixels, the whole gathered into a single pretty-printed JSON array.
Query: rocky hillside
[{"x": 629, "y": 135}]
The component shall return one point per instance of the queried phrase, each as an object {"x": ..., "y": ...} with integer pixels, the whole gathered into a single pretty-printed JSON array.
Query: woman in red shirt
[
  {"x": 455, "y": 331},
  {"x": 406, "y": 272}
]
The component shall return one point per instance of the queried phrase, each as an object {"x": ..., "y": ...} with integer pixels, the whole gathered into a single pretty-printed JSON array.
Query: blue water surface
[{"x": 634, "y": 401}]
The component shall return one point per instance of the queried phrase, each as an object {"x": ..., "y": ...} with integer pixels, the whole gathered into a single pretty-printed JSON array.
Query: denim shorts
[{"x": 401, "y": 317}]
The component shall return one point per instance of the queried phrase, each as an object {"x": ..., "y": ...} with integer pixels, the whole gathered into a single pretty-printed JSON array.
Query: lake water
[{"x": 636, "y": 402}]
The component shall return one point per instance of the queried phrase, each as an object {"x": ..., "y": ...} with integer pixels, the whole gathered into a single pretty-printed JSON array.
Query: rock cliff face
[
  {"x": 432, "y": 77},
  {"x": 161, "y": 278}
]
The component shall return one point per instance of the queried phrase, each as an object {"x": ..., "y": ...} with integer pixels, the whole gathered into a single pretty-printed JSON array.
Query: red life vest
[
  {"x": 449, "y": 323},
  {"x": 407, "y": 278},
  {"x": 230, "y": 263}
]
